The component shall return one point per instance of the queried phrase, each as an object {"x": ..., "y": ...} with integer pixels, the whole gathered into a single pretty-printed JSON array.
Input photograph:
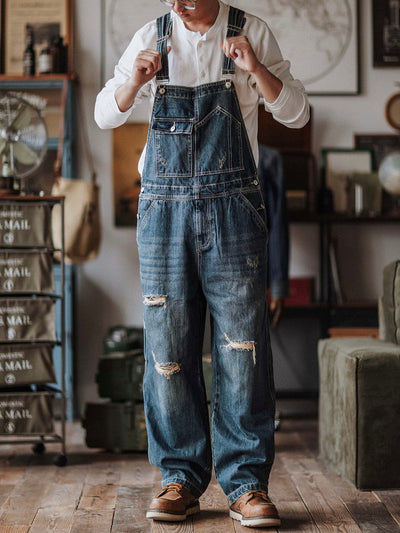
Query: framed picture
[
  {"x": 381, "y": 144},
  {"x": 386, "y": 30},
  {"x": 320, "y": 39},
  {"x": 338, "y": 165},
  {"x": 128, "y": 143},
  {"x": 46, "y": 17}
]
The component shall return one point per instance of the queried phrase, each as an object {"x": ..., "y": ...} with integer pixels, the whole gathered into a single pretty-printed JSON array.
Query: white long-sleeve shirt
[{"x": 196, "y": 59}]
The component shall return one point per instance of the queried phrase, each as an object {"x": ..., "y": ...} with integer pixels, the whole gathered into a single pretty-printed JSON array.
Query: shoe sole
[
  {"x": 165, "y": 516},
  {"x": 257, "y": 521}
]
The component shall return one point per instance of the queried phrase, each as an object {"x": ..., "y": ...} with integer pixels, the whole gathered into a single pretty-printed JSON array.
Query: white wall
[{"x": 108, "y": 290}]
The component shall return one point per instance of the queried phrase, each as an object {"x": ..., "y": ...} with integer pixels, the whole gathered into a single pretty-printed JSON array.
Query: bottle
[
  {"x": 55, "y": 53},
  {"x": 29, "y": 53},
  {"x": 6, "y": 180},
  {"x": 45, "y": 62}
]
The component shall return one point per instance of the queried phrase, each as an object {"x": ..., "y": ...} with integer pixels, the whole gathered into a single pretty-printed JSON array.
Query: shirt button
[{"x": 255, "y": 182}]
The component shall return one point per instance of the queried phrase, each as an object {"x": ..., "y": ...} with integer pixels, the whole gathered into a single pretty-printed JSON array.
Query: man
[{"x": 202, "y": 239}]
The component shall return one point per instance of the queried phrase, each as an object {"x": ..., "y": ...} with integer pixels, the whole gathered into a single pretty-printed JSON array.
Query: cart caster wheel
[
  {"x": 60, "y": 459},
  {"x": 38, "y": 448}
]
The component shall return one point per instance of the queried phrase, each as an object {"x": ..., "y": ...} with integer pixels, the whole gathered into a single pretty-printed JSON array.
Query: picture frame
[
  {"x": 337, "y": 167},
  {"x": 39, "y": 13},
  {"x": 381, "y": 144},
  {"x": 128, "y": 143},
  {"x": 320, "y": 39},
  {"x": 386, "y": 33}
]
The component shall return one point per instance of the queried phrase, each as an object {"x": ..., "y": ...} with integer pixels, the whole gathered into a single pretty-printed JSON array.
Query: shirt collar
[{"x": 219, "y": 21}]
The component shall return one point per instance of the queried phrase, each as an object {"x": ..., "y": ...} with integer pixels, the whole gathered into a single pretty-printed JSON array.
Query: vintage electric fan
[{"x": 23, "y": 139}]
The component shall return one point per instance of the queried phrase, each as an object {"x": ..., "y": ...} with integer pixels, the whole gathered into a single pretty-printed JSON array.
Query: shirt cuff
[
  {"x": 279, "y": 289},
  {"x": 117, "y": 110},
  {"x": 280, "y": 101}
]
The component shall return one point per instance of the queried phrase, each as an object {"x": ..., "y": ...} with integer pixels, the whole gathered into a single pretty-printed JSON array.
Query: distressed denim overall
[{"x": 202, "y": 239}]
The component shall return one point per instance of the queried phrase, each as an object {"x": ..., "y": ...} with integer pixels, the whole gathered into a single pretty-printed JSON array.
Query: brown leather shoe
[
  {"x": 174, "y": 504},
  {"x": 255, "y": 509}
]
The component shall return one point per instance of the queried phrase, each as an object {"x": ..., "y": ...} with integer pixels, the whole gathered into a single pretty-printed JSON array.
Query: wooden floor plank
[
  {"x": 295, "y": 518},
  {"x": 325, "y": 508},
  {"x": 373, "y": 518},
  {"x": 88, "y": 521},
  {"x": 214, "y": 515},
  {"x": 391, "y": 499},
  {"x": 130, "y": 511},
  {"x": 61, "y": 495},
  {"x": 98, "y": 497},
  {"x": 53, "y": 519},
  {"x": 23, "y": 502},
  {"x": 137, "y": 471},
  {"x": 14, "y": 529}
]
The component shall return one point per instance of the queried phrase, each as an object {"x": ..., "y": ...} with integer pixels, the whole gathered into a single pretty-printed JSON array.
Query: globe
[{"x": 389, "y": 173}]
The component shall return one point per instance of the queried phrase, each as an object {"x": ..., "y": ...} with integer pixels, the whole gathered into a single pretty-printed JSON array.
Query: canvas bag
[{"x": 82, "y": 226}]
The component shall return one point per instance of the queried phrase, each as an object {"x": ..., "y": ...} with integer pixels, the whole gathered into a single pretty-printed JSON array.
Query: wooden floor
[{"x": 102, "y": 492}]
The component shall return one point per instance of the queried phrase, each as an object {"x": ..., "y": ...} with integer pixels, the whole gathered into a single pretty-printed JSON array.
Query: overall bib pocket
[
  {"x": 173, "y": 145},
  {"x": 219, "y": 143}
]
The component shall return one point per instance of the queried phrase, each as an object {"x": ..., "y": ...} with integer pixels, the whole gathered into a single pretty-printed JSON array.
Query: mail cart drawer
[
  {"x": 26, "y": 272},
  {"x": 22, "y": 364},
  {"x": 25, "y": 225},
  {"x": 28, "y": 413},
  {"x": 27, "y": 319}
]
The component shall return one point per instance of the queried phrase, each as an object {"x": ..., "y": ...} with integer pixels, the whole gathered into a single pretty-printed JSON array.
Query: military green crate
[
  {"x": 120, "y": 376},
  {"x": 26, "y": 364},
  {"x": 123, "y": 339},
  {"x": 27, "y": 319},
  {"x": 25, "y": 225},
  {"x": 29, "y": 413},
  {"x": 26, "y": 271},
  {"x": 116, "y": 426}
]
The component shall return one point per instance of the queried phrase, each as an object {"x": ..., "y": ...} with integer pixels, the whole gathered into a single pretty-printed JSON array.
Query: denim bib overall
[{"x": 202, "y": 239}]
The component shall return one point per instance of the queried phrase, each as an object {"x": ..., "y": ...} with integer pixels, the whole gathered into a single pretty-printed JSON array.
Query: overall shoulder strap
[
  {"x": 236, "y": 21},
  {"x": 164, "y": 30}
]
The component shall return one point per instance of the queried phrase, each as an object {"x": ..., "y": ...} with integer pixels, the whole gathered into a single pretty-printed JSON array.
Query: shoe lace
[
  {"x": 260, "y": 494},
  {"x": 171, "y": 487}
]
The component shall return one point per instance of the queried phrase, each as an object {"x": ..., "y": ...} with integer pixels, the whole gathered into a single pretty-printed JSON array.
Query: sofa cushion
[
  {"x": 389, "y": 317},
  {"x": 359, "y": 405}
]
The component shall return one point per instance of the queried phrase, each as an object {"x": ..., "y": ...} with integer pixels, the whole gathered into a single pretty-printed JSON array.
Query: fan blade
[
  {"x": 23, "y": 154},
  {"x": 23, "y": 118}
]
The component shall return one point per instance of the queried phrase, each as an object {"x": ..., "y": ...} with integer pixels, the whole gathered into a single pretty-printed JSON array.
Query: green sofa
[{"x": 359, "y": 402}]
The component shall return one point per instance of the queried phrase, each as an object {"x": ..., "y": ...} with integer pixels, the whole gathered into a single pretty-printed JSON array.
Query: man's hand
[
  {"x": 240, "y": 50},
  {"x": 145, "y": 67},
  {"x": 276, "y": 309}
]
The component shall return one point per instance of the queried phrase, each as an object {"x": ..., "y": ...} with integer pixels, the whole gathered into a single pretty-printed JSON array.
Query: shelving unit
[
  {"x": 332, "y": 314},
  {"x": 28, "y": 300},
  {"x": 60, "y": 88}
]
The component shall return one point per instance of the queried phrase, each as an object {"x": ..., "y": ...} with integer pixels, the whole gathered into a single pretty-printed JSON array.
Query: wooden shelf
[
  {"x": 339, "y": 218},
  {"x": 43, "y": 81}
]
